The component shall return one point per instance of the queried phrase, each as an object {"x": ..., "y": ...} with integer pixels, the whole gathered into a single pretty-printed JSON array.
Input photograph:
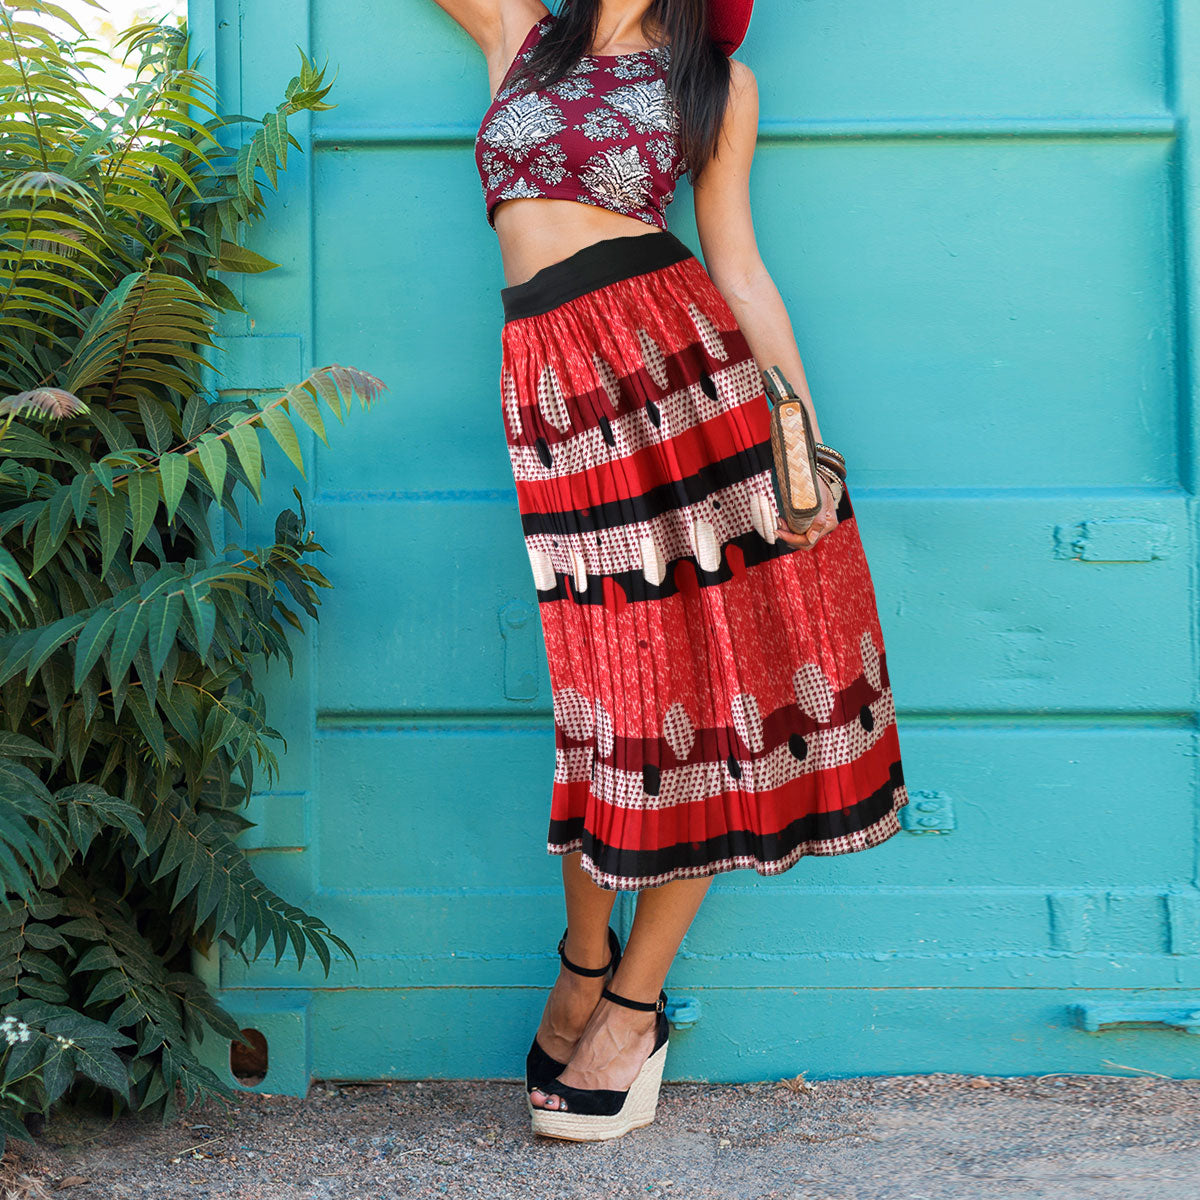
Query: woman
[{"x": 720, "y": 694}]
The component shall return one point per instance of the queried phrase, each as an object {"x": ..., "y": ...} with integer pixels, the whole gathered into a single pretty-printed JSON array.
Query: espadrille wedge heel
[
  {"x": 540, "y": 1069},
  {"x": 597, "y": 1114}
]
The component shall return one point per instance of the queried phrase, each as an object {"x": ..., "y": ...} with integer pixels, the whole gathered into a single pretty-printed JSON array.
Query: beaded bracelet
[
  {"x": 831, "y": 477},
  {"x": 834, "y": 481}
]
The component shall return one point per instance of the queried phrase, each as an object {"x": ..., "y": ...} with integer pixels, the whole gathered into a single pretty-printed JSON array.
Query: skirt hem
[{"x": 887, "y": 826}]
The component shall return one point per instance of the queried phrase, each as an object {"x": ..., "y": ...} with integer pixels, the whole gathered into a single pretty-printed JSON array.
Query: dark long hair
[{"x": 697, "y": 75}]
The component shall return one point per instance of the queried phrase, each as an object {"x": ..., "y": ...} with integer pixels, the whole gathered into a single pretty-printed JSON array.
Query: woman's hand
[{"x": 823, "y": 522}]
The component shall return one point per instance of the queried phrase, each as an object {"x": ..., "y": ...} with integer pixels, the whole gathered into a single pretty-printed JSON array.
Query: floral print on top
[{"x": 607, "y": 134}]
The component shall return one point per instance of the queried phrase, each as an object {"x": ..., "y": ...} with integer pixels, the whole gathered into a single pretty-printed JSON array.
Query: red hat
[{"x": 728, "y": 21}]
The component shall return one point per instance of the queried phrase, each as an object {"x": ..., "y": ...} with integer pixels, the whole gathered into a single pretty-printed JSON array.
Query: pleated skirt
[{"x": 721, "y": 699}]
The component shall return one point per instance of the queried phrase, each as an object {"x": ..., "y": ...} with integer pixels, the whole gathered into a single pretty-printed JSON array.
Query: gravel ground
[{"x": 929, "y": 1137}]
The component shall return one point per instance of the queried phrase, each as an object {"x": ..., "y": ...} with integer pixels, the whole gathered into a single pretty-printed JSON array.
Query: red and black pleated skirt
[{"x": 721, "y": 699}]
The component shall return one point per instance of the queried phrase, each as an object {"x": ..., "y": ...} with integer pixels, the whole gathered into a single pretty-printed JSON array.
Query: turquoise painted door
[{"x": 983, "y": 219}]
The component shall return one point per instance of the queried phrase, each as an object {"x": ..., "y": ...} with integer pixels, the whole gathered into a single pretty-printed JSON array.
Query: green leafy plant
[{"x": 130, "y": 726}]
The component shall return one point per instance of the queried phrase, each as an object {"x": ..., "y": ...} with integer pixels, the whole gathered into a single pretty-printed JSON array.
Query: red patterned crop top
[{"x": 607, "y": 134}]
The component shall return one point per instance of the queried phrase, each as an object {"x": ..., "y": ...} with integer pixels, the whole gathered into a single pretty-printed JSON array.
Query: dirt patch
[{"x": 928, "y": 1137}]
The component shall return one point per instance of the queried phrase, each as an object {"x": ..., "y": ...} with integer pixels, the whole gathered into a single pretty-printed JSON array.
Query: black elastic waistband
[{"x": 592, "y": 267}]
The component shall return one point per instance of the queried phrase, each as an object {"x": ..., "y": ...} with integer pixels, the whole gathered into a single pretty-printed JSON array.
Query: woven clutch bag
[{"x": 794, "y": 450}]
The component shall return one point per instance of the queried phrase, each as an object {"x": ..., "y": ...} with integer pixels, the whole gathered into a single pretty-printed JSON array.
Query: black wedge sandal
[
  {"x": 596, "y": 1114},
  {"x": 540, "y": 1069}
]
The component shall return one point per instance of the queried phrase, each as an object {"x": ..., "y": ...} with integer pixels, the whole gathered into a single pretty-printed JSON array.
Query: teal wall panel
[
  {"x": 439, "y": 352},
  {"x": 858, "y": 59},
  {"x": 443, "y": 570},
  {"x": 982, "y": 220},
  {"x": 867, "y": 60},
  {"x": 796, "y": 1029},
  {"x": 967, "y": 277},
  {"x": 395, "y": 847},
  {"x": 971, "y": 254}
]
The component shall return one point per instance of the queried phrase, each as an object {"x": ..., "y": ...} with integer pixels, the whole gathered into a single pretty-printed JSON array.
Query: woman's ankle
[
  {"x": 592, "y": 954},
  {"x": 641, "y": 989}
]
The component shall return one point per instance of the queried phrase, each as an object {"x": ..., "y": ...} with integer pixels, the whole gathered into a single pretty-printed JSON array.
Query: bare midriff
[{"x": 539, "y": 231}]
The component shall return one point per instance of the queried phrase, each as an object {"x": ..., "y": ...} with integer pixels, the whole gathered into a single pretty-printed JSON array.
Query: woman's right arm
[{"x": 498, "y": 26}]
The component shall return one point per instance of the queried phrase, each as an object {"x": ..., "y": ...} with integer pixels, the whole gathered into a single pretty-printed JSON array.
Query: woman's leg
[
  {"x": 571, "y": 1000},
  {"x": 617, "y": 1040}
]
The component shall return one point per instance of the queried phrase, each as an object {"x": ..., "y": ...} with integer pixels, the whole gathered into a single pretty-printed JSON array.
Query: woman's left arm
[{"x": 722, "y": 199}]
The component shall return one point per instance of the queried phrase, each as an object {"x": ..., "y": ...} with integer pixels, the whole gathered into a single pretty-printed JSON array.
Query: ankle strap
[
  {"x": 614, "y": 947},
  {"x": 641, "y": 1005}
]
